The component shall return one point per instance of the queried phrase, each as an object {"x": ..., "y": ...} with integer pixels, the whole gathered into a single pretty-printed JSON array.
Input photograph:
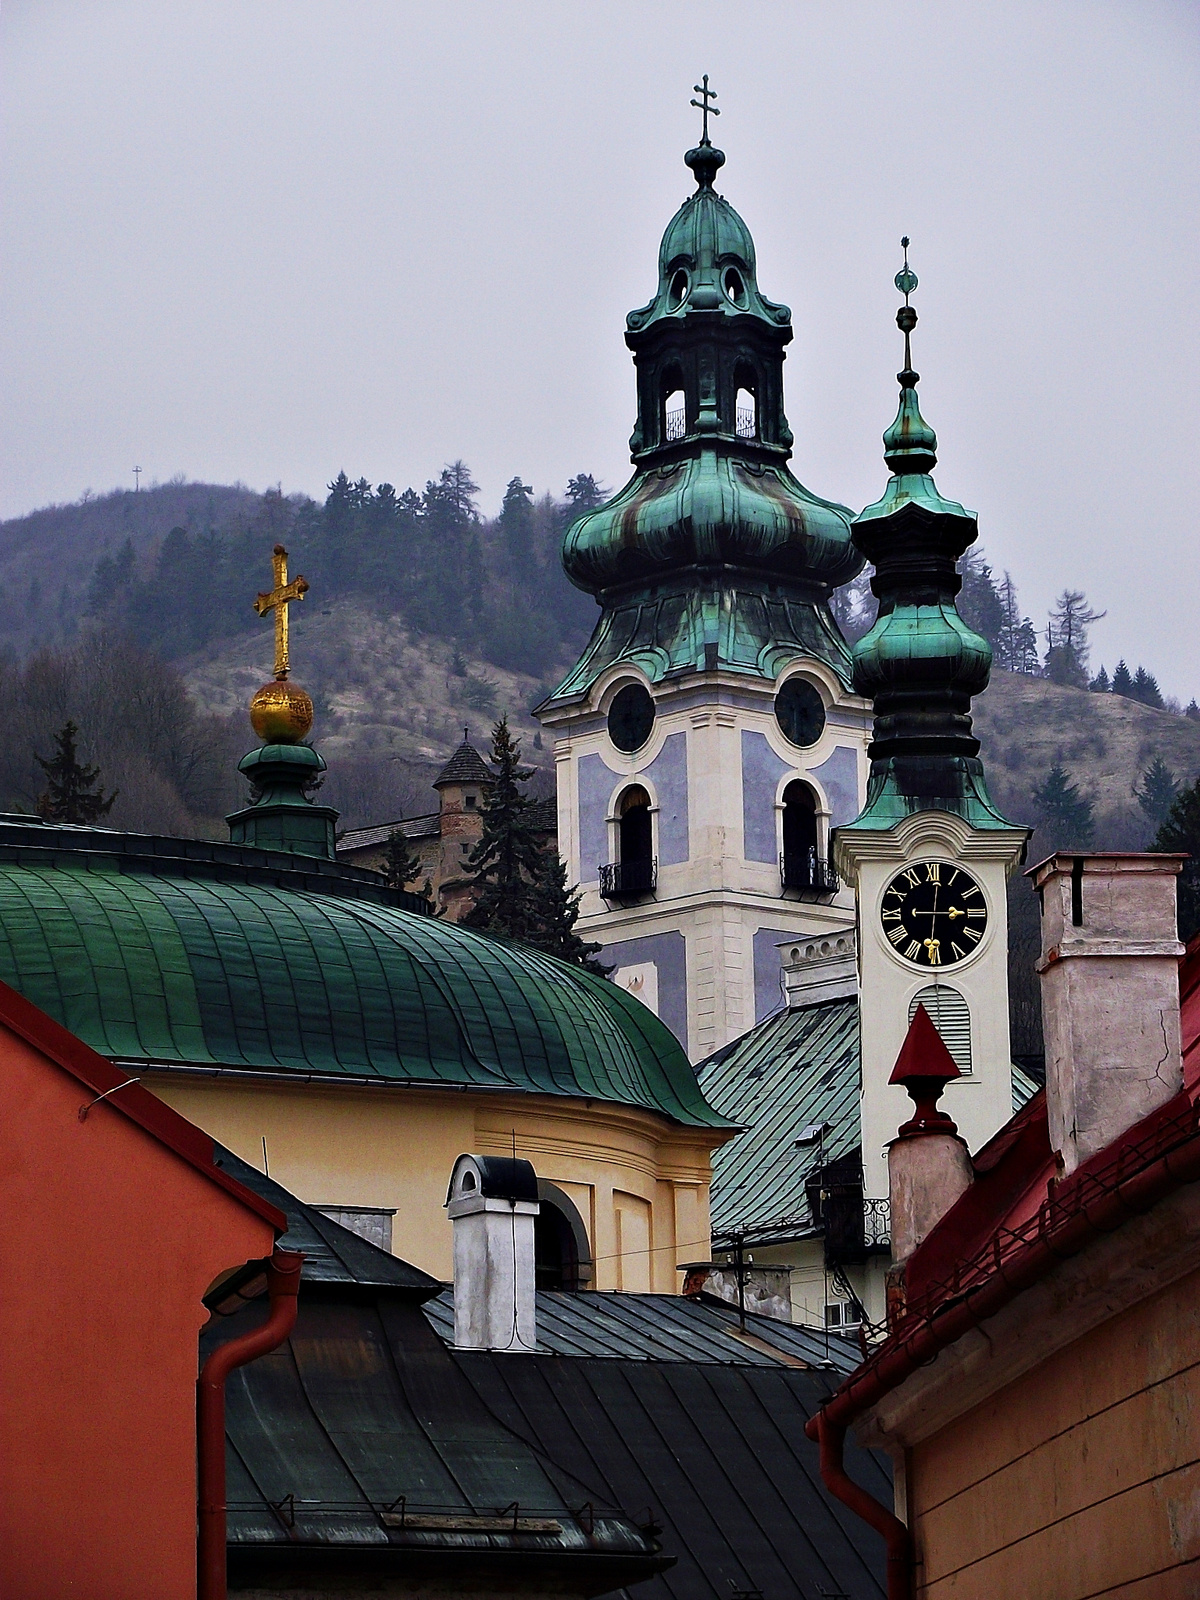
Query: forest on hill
[{"x": 131, "y": 613}]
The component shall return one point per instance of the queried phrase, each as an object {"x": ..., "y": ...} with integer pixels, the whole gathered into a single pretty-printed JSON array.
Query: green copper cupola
[
  {"x": 920, "y": 663},
  {"x": 713, "y": 556}
]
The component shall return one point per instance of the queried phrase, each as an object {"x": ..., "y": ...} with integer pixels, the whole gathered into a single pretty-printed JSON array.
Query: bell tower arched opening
[
  {"x": 635, "y": 841},
  {"x": 800, "y": 840}
]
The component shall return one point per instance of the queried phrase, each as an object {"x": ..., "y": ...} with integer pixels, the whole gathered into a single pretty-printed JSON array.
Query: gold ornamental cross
[{"x": 278, "y": 600}]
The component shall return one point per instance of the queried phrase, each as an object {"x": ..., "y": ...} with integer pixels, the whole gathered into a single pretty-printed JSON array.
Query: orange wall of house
[
  {"x": 1079, "y": 1479},
  {"x": 109, "y": 1240}
]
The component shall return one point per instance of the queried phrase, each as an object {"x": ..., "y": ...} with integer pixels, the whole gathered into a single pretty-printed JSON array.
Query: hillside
[
  {"x": 1104, "y": 742},
  {"x": 390, "y": 703},
  {"x": 423, "y": 617}
]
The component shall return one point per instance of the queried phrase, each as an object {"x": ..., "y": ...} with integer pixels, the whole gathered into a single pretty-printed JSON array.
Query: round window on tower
[
  {"x": 800, "y": 712},
  {"x": 734, "y": 287},
  {"x": 631, "y": 717},
  {"x": 679, "y": 289}
]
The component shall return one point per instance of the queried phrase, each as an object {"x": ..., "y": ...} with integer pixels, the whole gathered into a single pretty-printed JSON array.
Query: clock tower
[
  {"x": 929, "y": 856},
  {"x": 709, "y": 737}
]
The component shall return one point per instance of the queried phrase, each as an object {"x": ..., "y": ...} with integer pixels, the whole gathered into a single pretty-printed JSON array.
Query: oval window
[
  {"x": 679, "y": 288},
  {"x": 800, "y": 712},
  {"x": 631, "y": 717},
  {"x": 734, "y": 287}
]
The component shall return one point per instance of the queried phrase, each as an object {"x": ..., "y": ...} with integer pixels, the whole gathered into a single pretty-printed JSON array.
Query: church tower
[
  {"x": 709, "y": 737},
  {"x": 930, "y": 855}
]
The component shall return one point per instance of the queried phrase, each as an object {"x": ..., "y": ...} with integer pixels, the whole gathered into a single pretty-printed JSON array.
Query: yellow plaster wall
[
  {"x": 1081, "y": 1478},
  {"x": 640, "y": 1184}
]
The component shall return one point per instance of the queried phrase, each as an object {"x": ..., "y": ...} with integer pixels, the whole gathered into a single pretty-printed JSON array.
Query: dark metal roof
[
  {"x": 795, "y": 1068},
  {"x": 665, "y": 1327},
  {"x": 466, "y": 765},
  {"x": 332, "y": 1254},
  {"x": 358, "y": 1447},
  {"x": 717, "y": 1454},
  {"x": 426, "y": 827}
]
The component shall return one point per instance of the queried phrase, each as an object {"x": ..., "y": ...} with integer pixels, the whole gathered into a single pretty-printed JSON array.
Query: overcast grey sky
[{"x": 268, "y": 239}]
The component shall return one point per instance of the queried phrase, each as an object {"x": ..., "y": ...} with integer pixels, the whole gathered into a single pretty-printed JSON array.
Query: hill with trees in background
[{"x": 131, "y": 614}]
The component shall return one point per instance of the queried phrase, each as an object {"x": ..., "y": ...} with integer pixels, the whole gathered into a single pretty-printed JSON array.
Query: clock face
[{"x": 933, "y": 914}]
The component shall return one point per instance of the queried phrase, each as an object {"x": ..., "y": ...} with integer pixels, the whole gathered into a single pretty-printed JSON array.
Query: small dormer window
[
  {"x": 470, "y": 801},
  {"x": 678, "y": 290},
  {"x": 735, "y": 288}
]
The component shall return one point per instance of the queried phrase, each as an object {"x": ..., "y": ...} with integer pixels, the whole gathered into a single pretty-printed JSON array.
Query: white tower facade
[
  {"x": 708, "y": 740},
  {"x": 930, "y": 856},
  {"x": 732, "y": 806}
]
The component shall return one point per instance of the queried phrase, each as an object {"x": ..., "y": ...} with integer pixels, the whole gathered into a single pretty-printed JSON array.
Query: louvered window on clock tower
[{"x": 951, "y": 1016}]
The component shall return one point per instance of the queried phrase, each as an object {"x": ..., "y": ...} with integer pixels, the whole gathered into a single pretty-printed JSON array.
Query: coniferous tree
[
  {"x": 1146, "y": 690},
  {"x": 1157, "y": 791},
  {"x": 1065, "y": 814},
  {"x": 1193, "y": 711},
  {"x": 583, "y": 494},
  {"x": 400, "y": 865},
  {"x": 1018, "y": 648},
  {"x": 558, "y": 911},
  {"x": 521, "y": 888},
  {"x": 1100, "y": 683},
  {"x": 1181, "y": 831},
  {"x": 1122, "y": 680},
  {"x": 979, "y": 601},
  {"x": 516, "y": 525},
  {"x": 507, "y": 861},
  {"x": 1067, "y": 639},
  {"x": 71, "y": 793}
]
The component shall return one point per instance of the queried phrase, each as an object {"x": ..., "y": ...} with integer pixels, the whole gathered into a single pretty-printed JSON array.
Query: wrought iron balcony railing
[
  {"x": 808, "y": 873},
  {"x": 744, "y": 423},
  {"x": 855, "y": 1228},
  {"x": 675, "y": 424},
  {"x": 626, "y": 880}
]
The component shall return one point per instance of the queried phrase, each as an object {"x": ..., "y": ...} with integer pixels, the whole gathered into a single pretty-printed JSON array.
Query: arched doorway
[{"x": 800, "y": 859}]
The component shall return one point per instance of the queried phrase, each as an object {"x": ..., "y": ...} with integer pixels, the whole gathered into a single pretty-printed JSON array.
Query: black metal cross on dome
[{"x": 706, "y": 94}]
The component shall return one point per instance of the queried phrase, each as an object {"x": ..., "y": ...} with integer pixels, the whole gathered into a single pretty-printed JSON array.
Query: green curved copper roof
[
  {"x": 703, "y": 239},
  {"x": 708, "y": 509},
  {"x": 244, "y": 961}
]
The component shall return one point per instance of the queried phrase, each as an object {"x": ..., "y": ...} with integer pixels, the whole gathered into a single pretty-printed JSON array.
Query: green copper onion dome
[
  {"x": 713, "y": 554},
  {"x": 920, "y": 663}
]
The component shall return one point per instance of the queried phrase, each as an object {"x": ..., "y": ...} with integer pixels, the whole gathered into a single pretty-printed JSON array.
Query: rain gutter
[
  {"x": 899, "y": 1358},
  {"x": 283, "y": 1285}
]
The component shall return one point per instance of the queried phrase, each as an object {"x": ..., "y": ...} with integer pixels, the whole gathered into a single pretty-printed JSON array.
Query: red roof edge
[
  {"x": 1065, "y": 1224},
  {"x": 150, "y": 1113}
]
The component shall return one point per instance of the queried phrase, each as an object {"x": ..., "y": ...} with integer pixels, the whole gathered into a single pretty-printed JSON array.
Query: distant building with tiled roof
[{"x": 443, "y": 839}]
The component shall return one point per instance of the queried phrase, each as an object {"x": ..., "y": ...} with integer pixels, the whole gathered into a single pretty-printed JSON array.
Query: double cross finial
[{"x": 706, "y": 94}]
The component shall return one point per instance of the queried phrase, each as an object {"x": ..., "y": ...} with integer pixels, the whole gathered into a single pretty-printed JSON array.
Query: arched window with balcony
[
  {"x": 801, "y": 865},
  {"x": 634, "y": 871}
]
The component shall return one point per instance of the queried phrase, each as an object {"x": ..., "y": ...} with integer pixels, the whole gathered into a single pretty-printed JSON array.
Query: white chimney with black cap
[{"x": 492, "y": 1203}]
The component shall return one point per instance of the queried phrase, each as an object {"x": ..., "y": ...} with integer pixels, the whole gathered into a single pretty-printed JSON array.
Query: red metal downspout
[
  {"x": 864, "y": 1505},
  {"x": 896, "y": 1362},
  {"x": 283, "y": 1284}
]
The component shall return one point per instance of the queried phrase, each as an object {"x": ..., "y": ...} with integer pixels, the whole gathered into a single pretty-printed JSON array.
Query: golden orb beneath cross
[{"x": 281, "y": 712}]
